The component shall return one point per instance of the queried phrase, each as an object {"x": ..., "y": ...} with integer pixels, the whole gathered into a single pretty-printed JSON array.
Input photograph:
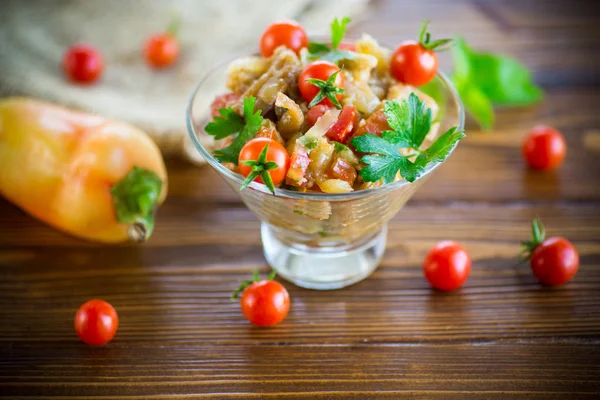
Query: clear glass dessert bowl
[{"x": 317, "y": 240}]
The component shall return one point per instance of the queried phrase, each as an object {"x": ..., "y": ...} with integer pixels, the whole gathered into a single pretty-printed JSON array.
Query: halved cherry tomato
[
  {"x": 275, "y": 153},
  {"x": 222, "y": 101},
  {"x": 83, "y": 63},
  {"x": 555, "y": 261},
  {"x": 413, "y": 64},
  {"x": 286, "y": 33},
  {"x": 447, "y": 266},
  {"x": 265, "y": 303},
  {"x": 544, "y": 148},
  {"x": 321, "y": 70},
  {"x": 96, "y": 322},
  {"x": 161, "y": 50},
  {"x": 315, "y": 112},
  {"x": 344, "y": 125}
]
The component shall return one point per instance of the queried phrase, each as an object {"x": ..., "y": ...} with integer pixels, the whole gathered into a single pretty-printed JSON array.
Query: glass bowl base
[{"x": 324, "y": 268}]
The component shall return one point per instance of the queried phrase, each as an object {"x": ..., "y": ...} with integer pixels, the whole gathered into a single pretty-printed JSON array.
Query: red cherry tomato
[
  {"x": 283, "y": 33},
  {"x": 544, "y": 148},
  {"x": 447, "y": 266},
  {"x": 265, "y": 303},
  {"x": 96, "y": 322},
  {"x": 413, "y": 64},
  {"x": 83, "y": 64},
  {"x": 555, "y": 261},
  {"x": 344, "y": 125},
  {"x": 222, "y": 101},
  {"x": 276, "y": 153},
  {"x": 315, "y": 112},
  {"x": 319, "y": 70},
  {"x": 161, "y": 50}
]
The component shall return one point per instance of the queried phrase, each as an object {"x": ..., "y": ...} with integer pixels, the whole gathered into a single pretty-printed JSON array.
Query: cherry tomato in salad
[
  {"x": 413, "y": 64},
  {"x": 96, "y": 322},
  {"x": 222, "y": 101},
  {"x": 286, "y": 33},
  {"x": 83, "y": 64},
  {"x": 315, "y": 112},
  {"x": 555, "y": 261},
  {"x": 344, "y": 125},
  {"x": 161, "y": 50},
  {"x": 447, "y": 266},
  {"x": 321, "y": 70},
  {"x": 544, "y": 148},
  {"x": 275, "y": 153}
]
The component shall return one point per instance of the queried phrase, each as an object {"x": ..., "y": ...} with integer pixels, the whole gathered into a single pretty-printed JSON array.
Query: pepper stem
[{"x": 135, "y": 198}]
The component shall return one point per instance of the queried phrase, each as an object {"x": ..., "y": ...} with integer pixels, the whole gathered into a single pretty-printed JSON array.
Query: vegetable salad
[{"x": 330, "y": 117}]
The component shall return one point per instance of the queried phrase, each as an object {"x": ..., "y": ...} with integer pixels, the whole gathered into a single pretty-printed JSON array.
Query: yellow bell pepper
[{"x": 89, "y": 176}]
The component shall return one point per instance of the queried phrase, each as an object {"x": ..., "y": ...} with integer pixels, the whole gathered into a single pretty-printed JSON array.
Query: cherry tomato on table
[
  {"x": 83, "y": 64},
  {"x": 544, "y": 148},
  {"x": 250, "y": 162},
  {"x": 96, "y": 322},
  {"x": 415, "y": 63},
  {"x": 286, "y": 33},
  {"x": 553, "y": 261},
  {"x": 447, "y": 266},
  {"x": 161, "y": 50},
  {"x": 320, "y": 70},
  {"x": 264, "y": 302}
]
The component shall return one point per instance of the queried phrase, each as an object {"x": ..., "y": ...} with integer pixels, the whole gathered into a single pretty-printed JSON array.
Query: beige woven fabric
[{"x": 35, "y": 33}]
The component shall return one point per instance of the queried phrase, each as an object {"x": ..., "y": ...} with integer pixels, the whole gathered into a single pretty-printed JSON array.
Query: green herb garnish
[
  {"x": 260, "y": 167},
  {"x": 410, "y": 122},
  {"x": 485, "y": 79},
  {"x": 230, "y": 123},
  {"x": 321, "y": 51},
  {"x": 436, "y": 45},
  {"x": 326, "y": 89}
]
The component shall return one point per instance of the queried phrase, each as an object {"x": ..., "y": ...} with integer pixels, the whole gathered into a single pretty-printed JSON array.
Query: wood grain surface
[{"x": 502, "y": 336}]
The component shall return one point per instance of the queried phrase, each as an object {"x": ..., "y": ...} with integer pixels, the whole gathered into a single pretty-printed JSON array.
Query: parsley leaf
[
  {"x": 332, "y": 54},
  {"x": 231, "y": 123},
  {"x": 410, "y": 122}
]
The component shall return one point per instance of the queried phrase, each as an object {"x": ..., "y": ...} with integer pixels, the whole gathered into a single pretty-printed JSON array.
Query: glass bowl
[{"x": 317, "y": 240}]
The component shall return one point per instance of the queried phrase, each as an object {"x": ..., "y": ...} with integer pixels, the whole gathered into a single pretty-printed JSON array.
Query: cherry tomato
[
  {"x": 555, "y": 261},
  {"x": 344, "y": 125},
  {"x": 283, "y": 33},
  {"x": 447, "y": 266},
  {"x": 96, "y": 322},
  {"x": 319, "y": 70},
  {"x": 83, "y": 63},
  {"x": 276, "y": 153},
  {"x": 315, "y": 112},
  {"x": 265, "y": 303},
  {"x": 544, "y": 148},
  {"x": 222, "y": 101},
  {"x": 161, "y": 50},
  {"x": 413, "y": 64}
]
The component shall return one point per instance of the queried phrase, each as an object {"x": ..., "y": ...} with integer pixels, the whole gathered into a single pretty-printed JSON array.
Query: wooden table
[{"x": 502, "y": 336}]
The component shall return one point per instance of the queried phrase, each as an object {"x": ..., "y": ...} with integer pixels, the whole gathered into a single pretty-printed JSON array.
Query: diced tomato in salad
[
  {"x": 223, "y": 101},
  {"x": 298, "y": 165},
  {"x": 342, "y": 128}
]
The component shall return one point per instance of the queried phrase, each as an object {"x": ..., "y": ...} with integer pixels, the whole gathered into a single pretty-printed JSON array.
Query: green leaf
[
  {"x": 135, "y": 198},
  {"x": 439, "y": 150},
  {"x": 227, "y": 124},
  {"x": 484, "y": 79},
  {"x": 252, "y": 122},
  {"x": 370, "y": 143},
  {"x": 314, "y": 47},
  {"x": 309, "y": 142},
  {"x": 338, "y": 147},
  {"x": 338, "y": 29},
  {"x": 335, "y": 56},
  {"x": 410, "y": 121}
]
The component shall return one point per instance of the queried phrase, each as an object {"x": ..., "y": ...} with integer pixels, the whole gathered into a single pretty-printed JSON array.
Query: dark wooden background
[{"x": 502, "y": 336}]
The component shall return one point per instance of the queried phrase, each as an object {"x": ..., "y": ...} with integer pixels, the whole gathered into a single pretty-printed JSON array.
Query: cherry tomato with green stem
[
  {"x": 447, "y": 266},
  {"x": 83, "y": 64},
  {"x": 263, "y": 302},
  {"x": 96, "y": 322},
  {"x": 263, "y": 160},
  {"x": 321, "y": 82},
  {"x": 416, "y": 63},
  {"x": 161, "y": 50},
  {"x": 544, "y": 148},
  {"x": 286, "y": 33},
  {"x": 553, "y": 261}
]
